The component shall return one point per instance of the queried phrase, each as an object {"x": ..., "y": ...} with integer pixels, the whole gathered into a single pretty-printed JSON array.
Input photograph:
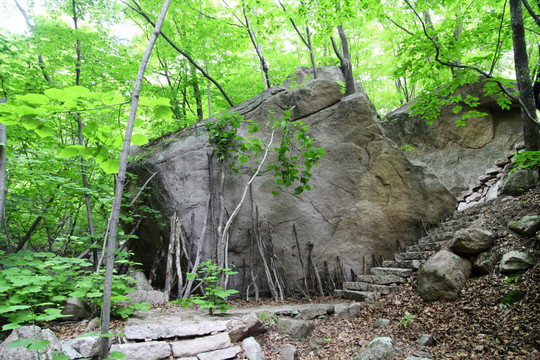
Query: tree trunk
[
  {"x": 258, "y": 50},
  {"x": 3, "y": 182},
  {"x": 531, "y": 134},
  {"x": 121, "y": 179},
  {"x": 345, "y": 61}
]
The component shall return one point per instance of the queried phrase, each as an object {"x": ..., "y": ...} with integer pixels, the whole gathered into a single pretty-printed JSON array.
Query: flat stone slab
[
  {"x": 144, "y": 351},
  {"x": 185, "y": 329},
  {"x": 186, "y": 348},
  {"x": 403, "y": 272},
  {"x": 381, "y": 279},
  {"x": 223, "y": 354},
  {"x": 363, "y": 286},
  {"x": 360, "y": 295}
]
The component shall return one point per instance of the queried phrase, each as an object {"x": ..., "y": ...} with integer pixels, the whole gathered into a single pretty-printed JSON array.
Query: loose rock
[
  {"x": 515, "y": 261},
  {"x": 381, "y": 348},
  {"x": 443, "y": 276}
]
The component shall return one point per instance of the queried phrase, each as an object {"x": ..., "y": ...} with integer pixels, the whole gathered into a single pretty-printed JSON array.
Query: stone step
[
  {"x": 357, "y": 295},
  {"x": 363, "y": 286},
  {"x": 381, "y": 279},
  {"x": 402, "y": 272},
  {"x": 433, "y": 246},
  {"x": 409, "y": 264},
  {"x": 437, "y": 236},
  {"x": 418, "y": 255}
]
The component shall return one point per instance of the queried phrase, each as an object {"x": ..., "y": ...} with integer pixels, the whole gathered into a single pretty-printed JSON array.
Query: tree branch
[
  {"x": 531, "y": 11},
  {"x": 186, "y": 55}
]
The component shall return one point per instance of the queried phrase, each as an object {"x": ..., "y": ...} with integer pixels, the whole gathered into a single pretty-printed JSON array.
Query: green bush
[
  {"x": 214, "y": 296},
  {"x": 33, "y": 287}
]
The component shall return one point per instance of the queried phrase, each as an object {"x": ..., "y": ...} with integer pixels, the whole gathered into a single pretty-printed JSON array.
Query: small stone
[
  {"x": 485, "y": 262},
  {"x": 381, "y": 348},
  {"x": 344, "y": 311},
  {"x": 288, "y": 351},
  {"x": 76, "y": 309},
  {"x": 526, "y": 226},
  {"x": 317, "y": 343},
  {"x": 252, "y": 349},
  {"x": 93, "y": 324},
  {"x": 425, "y": 340},
  {"x": 515, "y": 261},
  {"x": 297, "y": 329},
  {"x": 502, "y": 162},
  {"x": 379, "y": 323},
  {"x": 485, "y": 178}
]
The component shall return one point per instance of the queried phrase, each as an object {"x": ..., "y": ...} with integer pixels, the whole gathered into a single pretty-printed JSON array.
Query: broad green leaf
[
  {"x": 139, "y": 139},
  {"x": 39, "y": 344},
  {"x": 163, "y": 112},
  {"x": 117, "y": 355},
  {"x": 57, "y": 94},
  {"x": 37, "y": 99},
  {"x": 70, "y": 151},
  {"x": 77, "y": 91},
  {"x": 44, "y": 131},
  {"x": 19, "y": 343},
  {"x": 110, "y": 166},
  {"x": 61, "y": 357},
  {"x": 11, "y": 326}
]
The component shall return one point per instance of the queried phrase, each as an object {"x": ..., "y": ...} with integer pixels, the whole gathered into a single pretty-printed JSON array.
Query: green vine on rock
[{"x": 296, "y": 153}]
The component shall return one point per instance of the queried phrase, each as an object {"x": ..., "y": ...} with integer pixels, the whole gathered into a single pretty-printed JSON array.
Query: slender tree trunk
[
  {"x": 345, "y": 60},
  {"x": 80, "y": 126},
  {"x": 531, "y": 135},
  {"x": 258, "y": 49},
  {"x": 121, "y": 179},
  {"x": 3, "y": 167}
]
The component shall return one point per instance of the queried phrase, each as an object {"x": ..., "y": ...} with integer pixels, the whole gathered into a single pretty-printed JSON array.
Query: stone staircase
[{"x": 389, "y": 277}]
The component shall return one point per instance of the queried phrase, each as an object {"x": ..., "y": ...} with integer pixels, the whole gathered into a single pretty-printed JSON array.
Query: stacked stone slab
[
  {"x": 487, "y": 186},
  {"x": 393, "y": 273}
]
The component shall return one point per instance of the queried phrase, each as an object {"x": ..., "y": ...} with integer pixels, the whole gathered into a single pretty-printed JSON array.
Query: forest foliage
[{"x": 66, "y": 80}]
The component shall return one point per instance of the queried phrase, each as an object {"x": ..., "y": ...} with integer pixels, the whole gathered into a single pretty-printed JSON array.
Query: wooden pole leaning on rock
[{"x": 169, "y": 266}]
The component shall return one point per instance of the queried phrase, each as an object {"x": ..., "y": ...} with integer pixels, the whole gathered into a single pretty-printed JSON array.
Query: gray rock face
[
  {"x": 485, "y": 262},
  {"x": 519, "y": 181},
  {"x": 365, "y": 194},
  {"x": 140, "y": 281},
  {"x": 381, "y": 348},
  {"x": 185, "y": 348},
  {"x": 514, "y": 261},
  {"x": 297, "y": 329},
  {"x": 30, "y": 332},
  {"x": 153, "y": 297},
  {"x": 252, "y": 349},
  {"x": 250, "y": 325},
  {"x": 527, "y": 225},
  {"x": 472, "y": 240},
  {"x": 86, "y": 347},
  {"x": 144, "y": 350},
  {"x": 155, "y": 332},
  {"x": 458, "y": 155},
  {"x": 443, "y": 276},
  {"x": 76, "y": 308}
]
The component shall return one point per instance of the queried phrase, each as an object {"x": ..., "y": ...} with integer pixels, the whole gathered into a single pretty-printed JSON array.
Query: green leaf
[
  {"x": 44, "y": 131},
  {"x": 19, "y": 343},
  {"x": 110, "y": 166},
  {"x": 163, "y": 112},
  {"x": 39, "y": 344},
  {"x": 37, "y": 99},
  {"x": 70, "y": 151},
  {"x": 117, "y": 355},
  {"x": 139, "y": 139}
]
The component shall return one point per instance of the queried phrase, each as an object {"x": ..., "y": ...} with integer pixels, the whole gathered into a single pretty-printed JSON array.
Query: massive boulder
[
  {"x": 458, "y": 155},
  {"x": 366, "y": 200}
]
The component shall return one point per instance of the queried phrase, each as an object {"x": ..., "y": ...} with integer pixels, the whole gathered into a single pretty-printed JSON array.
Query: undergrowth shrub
[{"x": 34, "y": 286}]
